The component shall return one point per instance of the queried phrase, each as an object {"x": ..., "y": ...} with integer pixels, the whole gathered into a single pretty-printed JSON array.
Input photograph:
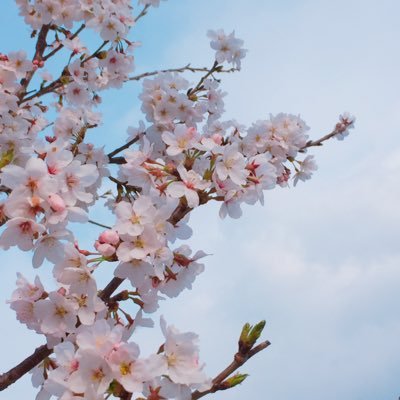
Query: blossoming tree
[{"x": 184, "y": 156}]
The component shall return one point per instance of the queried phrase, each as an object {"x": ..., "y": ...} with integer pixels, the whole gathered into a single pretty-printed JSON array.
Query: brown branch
[
  {"x": 180, "y": 70},
  {"x": 238, "y": 361},
  {"x": 58, "y": 48},
  {"x": 112, "y": 286},
  {"x": 210, "y": 71},
  {"x": 41, "y": 45},
  {"x": 319, "y": 142},
  {"x": 51, "y": 87},
  {"x": 8, "y": 378},
  {"x": 56, "y": 84},
  {"x": 117, "y": 160},
  {"x": 5, "y": 189},
  {"x": 125, "y": 146}
]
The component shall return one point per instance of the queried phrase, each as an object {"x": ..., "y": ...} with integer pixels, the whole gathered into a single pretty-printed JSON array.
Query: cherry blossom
[{"x": 181, "y": 156}]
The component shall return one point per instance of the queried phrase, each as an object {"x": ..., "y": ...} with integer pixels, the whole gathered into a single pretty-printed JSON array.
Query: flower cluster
[
  {"x": 111, "y": 18},
  {"x": 182, "y": 157},
  {"x": 228, "y": 47},
  {"x": 102, "y": 360}
]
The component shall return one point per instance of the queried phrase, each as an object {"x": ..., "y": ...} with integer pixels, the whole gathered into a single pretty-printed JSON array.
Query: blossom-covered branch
[{"x": 185, "y": 154}]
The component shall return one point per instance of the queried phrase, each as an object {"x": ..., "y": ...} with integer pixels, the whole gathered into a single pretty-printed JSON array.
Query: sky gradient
[{"x": 320, "y": 262}]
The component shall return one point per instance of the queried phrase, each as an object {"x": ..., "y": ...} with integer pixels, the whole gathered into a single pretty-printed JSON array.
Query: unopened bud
[
  {"x": 249, "y": 336},
  {"x": 233, "y": 381},
  {"x": 101, "y": 55},
  {"x": 109, "y": 236},
  {"x": 56, "y": 203},
  {"x": 64, "y": 79},
  {"x": 255, "y": 332}
]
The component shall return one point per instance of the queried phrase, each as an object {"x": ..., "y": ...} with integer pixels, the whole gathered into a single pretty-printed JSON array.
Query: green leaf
[{"x": 233, "y": 381}]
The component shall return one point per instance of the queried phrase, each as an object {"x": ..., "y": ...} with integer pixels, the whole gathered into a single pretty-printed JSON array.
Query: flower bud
[
  {"x": 105, "y": 249},
  {"x": 109, "y": 236},
  {"x": 101, "y": 55},
  {"x": 56, "y": 203},
  {"x": 217, "y": 138},
  {"x": 233, "y": 381}
]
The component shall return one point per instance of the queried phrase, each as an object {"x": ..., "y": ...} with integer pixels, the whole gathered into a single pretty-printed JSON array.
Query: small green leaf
[
  {"x": 255, "y": 332},
  {"x": 233, "y": 381}
]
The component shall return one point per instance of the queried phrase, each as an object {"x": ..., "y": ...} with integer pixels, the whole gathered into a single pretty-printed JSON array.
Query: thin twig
[
  {"x": 209, "y": 73},
  {"x": 143, "y": 12},
  {"x": 95, "y": 53},
  {"x": 237, "y": 362},
  {"x": 121, "y": 148},
  {"x": 320, "y": 141},
  {"x": 99, "y": 224},
  {"x": 58, "y": 48},
  {"x": 41, "y": 45},
  {"x": 180, "y": 70},
  {"x": 51, "y": 87}
]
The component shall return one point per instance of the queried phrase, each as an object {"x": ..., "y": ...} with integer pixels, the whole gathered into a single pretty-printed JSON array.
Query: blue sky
[{"x": 320, "y": 262}]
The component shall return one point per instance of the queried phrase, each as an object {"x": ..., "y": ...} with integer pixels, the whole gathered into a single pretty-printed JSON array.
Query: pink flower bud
[
  {"x": 105, "y": 249},
  {"x": 109, "y": 236},
  {"x": 57, "y": 204},
  {"x": 217, "y": 138},
  {"x": 191, "y": 132}
]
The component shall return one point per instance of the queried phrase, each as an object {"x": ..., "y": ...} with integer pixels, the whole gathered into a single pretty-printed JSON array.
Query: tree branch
[
  {"x": 51, "y": 87},
  {"x": 180, "y": 70},
  {"x": 319, "y": 142},
  {"x": 41, "y": 45},
  {"x": 121, "y": 148},
  {"x": 98, "y": 224},
  {"x": 8, "y": 378},
  {"x": 58, "y": 48},
  {"x": 238, "y": 361}
]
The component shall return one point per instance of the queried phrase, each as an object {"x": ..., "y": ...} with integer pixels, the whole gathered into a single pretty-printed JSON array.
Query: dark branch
[
  {"x": 99, "y": 224},
  {"x": 122, "y": 148},
  {"x": 41, "y": 45},
  {"x": 58, "y": 48},
  {"x": 8, "y": 378}
]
